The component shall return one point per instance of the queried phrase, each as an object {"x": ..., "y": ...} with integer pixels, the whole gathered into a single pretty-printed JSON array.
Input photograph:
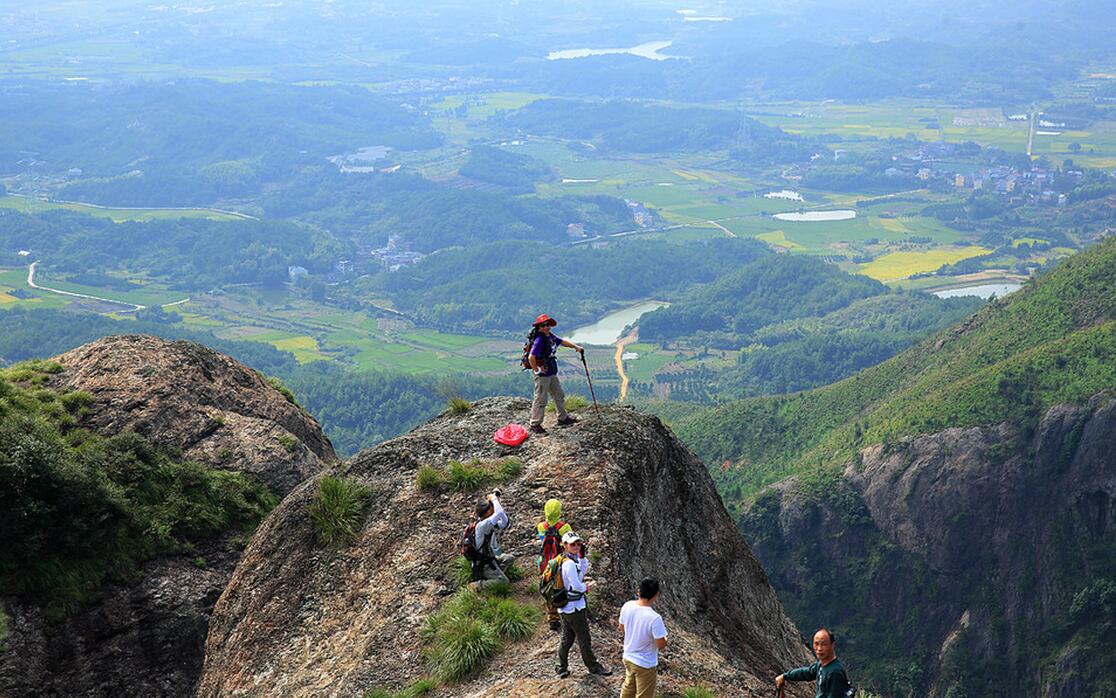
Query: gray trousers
[
  {"x": 493, "y": 572},
  {"x": 547, "y": 386},
  {"x": 576, "y": 625}
]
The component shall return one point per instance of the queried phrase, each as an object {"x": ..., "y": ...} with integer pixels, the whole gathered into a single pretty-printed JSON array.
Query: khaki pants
[
  {"x": 638, "y": 682},
  {"x": 547, "y": 386}
]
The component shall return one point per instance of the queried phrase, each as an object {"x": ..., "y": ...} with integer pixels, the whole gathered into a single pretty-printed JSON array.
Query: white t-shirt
[{"x": 642, "y": 626}]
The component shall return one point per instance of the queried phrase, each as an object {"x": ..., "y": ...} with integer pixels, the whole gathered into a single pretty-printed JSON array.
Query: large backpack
[
  {"x": 551, "y": 544},
  {"x": 550, "y": 583},
  {"x": 469, "y": 550},
  {"x": 525, "y": 361}
]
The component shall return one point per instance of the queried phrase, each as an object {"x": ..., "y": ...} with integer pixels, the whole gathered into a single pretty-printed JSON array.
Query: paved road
[{"x": 132, "y": 307}]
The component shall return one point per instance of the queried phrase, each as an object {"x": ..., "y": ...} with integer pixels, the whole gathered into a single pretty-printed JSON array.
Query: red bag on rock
[{"x": 510, "y": 435}]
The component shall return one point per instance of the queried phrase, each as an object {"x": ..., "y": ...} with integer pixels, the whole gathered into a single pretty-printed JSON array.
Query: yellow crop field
[
  {"x": 900, "y": 265},
  {"x": 892, "y": 225},
  {"x": 304, "y": 347},
  {"x": 779, "y": 239},
  {"x": 5, "y": 298}
]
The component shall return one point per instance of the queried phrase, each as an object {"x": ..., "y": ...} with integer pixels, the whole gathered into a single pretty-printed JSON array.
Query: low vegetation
[
  {"x": 416, "y": 690},
  {"x": 573, "y": 404},
  {"x": 83, "y": 509},
  {"x": 471, "y": 475},
  {"x": 338, "y": 509},
  {"x": 471, "y": 628},
  {"x": 458, "y": 405}
]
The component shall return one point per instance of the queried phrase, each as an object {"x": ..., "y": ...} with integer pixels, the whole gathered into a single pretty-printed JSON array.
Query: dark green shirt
[{"x": 830, "y": 680}]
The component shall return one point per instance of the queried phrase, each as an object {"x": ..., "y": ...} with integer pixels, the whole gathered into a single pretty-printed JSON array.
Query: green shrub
[
  {"x": 468, "y": 476},
  {"x": 509, "y": 469},
  {"x": 84, "y": 509},
  {"x": 458, "y": 405},
  {"x": 697, "y": 692},
  {"x": 429, "y": 478},
  {"x": 337, "y": 510},
  {"x": 288, "y": 442}
]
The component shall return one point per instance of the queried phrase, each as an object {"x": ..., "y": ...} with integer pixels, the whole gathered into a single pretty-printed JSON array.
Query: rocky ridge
[
  {"x": 976, "y": 533},
  {"x": 298, "y": 619},
  {"x": 146, "y": 638}
]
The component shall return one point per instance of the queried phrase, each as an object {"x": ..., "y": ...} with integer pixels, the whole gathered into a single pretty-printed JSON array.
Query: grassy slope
[{"x": 1054, "y": 341}]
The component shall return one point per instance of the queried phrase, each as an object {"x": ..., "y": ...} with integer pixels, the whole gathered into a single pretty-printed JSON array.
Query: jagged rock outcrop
[
  {"x": 298, "y": 619},
  {"x": 975, "y": 539},
  {"x": 213, "y": 408},
  {"x": 146, "y": 638}
]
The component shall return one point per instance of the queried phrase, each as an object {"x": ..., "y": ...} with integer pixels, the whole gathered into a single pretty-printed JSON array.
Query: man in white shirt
[
  {"x": 575, "y": 620},
  {"x": 644, "y": 635}
]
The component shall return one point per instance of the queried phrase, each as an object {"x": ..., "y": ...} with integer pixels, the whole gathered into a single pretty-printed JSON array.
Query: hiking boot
[
  {"x": 567, "y": 420},
  {"x": 555, "y": 626},
  {"x": 562, "y": 673},
  {"x": 538, "y": 429},
  {"x": 601, "y": 670}
]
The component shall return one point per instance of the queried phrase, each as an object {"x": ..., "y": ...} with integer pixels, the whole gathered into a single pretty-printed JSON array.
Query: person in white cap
[{"x": 575, "y": 620}]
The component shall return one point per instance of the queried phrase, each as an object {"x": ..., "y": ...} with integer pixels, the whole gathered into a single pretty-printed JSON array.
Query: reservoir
[
  {"x": 984, "y": 291},
  {"x": 648, "y": 50},
  {"x": 610, "y": 328},
  {"x": 809, "y": 216}
]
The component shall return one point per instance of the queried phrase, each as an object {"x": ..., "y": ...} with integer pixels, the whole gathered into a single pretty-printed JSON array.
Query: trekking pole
[{"x": 591, "y": 391}]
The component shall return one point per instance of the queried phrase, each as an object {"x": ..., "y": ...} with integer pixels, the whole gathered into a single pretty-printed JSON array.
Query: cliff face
[
  {"x": 974, "y": 544},
  {"x": 146, "y": 638},
  {"x": 301, "y": 619}
]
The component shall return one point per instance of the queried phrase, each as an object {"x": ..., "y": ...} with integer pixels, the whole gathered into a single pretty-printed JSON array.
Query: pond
[
  {"x": 810, "y": 216},
  {"x": 611, "y": 327},
  {"x": 984, "y": 291},
  {"x": 648, "y": 50}
]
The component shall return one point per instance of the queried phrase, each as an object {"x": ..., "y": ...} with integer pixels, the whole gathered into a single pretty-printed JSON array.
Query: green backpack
[{"x": 550, "y": 582}]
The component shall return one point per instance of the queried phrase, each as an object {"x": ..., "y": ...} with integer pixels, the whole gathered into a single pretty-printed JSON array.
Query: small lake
[
  {"x": 984, "y": 291},
  {"x": 784, "y": 194},
  {"x": 611, "y": 327},
  {"x": 812, "y": 216},
  {"x": 649, "y": 50}
]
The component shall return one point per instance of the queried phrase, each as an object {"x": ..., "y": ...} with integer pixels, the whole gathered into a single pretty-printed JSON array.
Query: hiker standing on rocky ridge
[
  {"x": 644, "y": 636},
  {"x": 550, "y": 532},
  {"x": 544, "y": 365},
  {"x": 828, "y": 673},
  {"x": 575, "y": 619},
  {"x": 487, "y": 559}
]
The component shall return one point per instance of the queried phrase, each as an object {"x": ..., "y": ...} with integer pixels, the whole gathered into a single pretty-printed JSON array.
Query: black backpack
[
  {"x": 524, "y": 361},
  {"x": 469, "y": 549}
]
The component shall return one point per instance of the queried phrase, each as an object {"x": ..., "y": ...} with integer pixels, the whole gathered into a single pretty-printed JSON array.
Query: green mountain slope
[
  {"x": 1051, "y": 342},
  {"x": 951, "y": 512}
]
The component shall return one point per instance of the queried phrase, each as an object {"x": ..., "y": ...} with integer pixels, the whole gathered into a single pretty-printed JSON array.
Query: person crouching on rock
[
  {"x": 483, "y": 551},
  {"x": 828, "y": 674},
  {"x": 544, "y": 365},
  {"x": 575, "y": 619},
  {"x": 550, "y": 531}
]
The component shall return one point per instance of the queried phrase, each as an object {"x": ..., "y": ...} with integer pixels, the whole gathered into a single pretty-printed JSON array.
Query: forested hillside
[{"x": 968, "y": 472}]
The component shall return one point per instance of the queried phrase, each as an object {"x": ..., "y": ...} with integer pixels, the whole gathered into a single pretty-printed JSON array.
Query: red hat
[{"x": 545, "y": 319}]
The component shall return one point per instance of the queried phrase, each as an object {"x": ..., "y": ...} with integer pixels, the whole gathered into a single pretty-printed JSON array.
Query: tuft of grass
[
  {"x": 573, "y": 404},
  {"x": 283, "y": 389},
  {"x": 509, "y": 469},
  {"x": 338, "y": 509},
  {"x": 468, "y": 476},
  {"x": 458, "y": 405},
  {"x": 510, "y": 619},
  {"x": 497, "y": 590},
  {"x": 697, "y": 692},
  {"x": 514, "y": 572},
  {"x": 3, "y": 628},
  {"x": 429, "y": 478},
  {"x": 461, "y": 571},
  {"x": 288, "y": 442},
  {"x": 463, "y": 646},
  {"x": 416, "y": 690}
]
